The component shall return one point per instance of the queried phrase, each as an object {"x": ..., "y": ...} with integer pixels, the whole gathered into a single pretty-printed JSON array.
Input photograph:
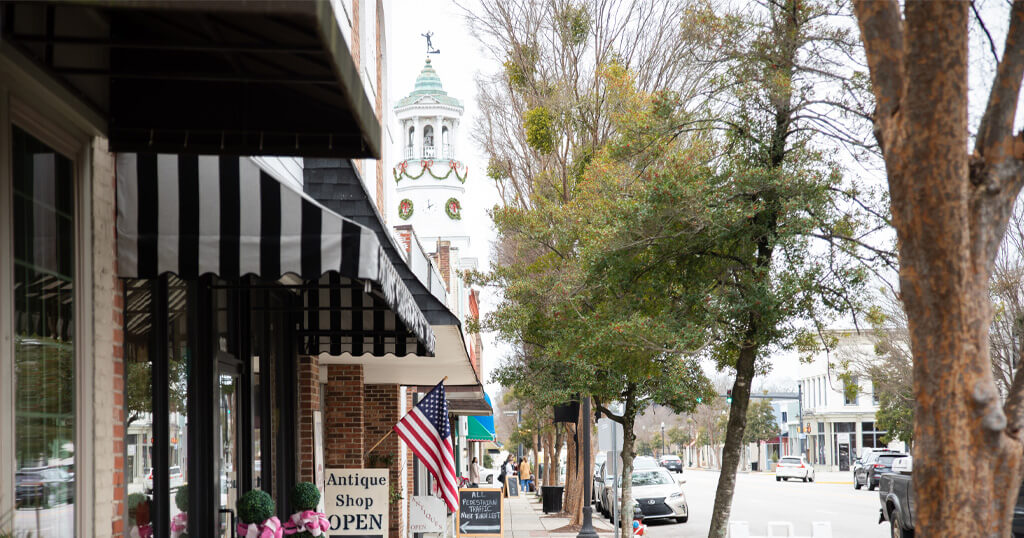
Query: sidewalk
[{"x": 524, "y": 519}]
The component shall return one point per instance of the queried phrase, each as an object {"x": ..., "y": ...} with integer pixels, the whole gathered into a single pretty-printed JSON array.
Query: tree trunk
[
  {"x": 734, "y": 437},
  {"x": 577, "y": 476},
  {"x": 560, "y": 435},
  {"x": 950, "y": 211},
  {"x": 626, "y": 478}
]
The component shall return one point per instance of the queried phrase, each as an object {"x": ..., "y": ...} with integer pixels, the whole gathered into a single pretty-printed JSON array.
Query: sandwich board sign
[
  {"x": 356, "y": 502},
  {"x": 481, "y": 512},
  {"x": 427, "y": 514},
  {"x": 512, "y": 483}
]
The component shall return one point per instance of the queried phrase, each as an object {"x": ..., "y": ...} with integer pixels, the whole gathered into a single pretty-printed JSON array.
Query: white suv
[
  {"x": 794, "y": 467},
  {"x": 176, "y": 478}
]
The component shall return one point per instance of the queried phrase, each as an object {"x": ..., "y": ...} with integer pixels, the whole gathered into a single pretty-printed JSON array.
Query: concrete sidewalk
[{"x": 524, "y": 519}]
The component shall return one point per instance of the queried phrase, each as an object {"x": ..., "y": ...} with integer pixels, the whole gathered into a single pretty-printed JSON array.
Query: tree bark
[
  {"x": 950, "y": 212},
  {"x": 734, "y": 436},
  {"x": 575, "y": 475},
  {"x": 628, "y": 442}
]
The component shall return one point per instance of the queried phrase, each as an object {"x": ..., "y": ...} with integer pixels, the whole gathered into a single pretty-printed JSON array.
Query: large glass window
[{"x": 44, "y": 353}]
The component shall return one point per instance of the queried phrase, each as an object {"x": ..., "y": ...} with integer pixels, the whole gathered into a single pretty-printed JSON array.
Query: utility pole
[
  {"x": 587, "y": 528},
  {"x": 800, "y": 410}
]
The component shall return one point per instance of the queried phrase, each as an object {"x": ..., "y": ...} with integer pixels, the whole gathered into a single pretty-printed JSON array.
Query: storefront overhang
[
  {"x": 207, "y": 215},
  {"x": 242, "y": 77},
  {"x": 481, "y": 428},
  {"x": 337, "y": 185}
]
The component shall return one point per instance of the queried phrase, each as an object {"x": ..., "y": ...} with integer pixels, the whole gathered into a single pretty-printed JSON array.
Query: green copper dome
[{"x": 428, "y": 84}]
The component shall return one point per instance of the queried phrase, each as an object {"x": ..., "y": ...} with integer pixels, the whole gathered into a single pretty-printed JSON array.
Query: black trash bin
[
  {"x": 551, "y": 498},
  {"x": 753, "y": 466}
]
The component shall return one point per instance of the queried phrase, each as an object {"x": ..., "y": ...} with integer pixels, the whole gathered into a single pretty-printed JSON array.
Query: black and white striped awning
[{"x": 193, "y": 215}]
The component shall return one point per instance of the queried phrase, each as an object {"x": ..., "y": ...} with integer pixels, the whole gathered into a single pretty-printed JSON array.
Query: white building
[{"x": 839, "y": 427}]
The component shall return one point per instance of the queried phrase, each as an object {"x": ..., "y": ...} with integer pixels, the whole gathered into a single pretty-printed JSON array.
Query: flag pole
[{"x": 375, "y": 445}]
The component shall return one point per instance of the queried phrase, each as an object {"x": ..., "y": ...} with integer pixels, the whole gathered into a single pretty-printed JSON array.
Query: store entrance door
[{"x": 228, "y": 412}]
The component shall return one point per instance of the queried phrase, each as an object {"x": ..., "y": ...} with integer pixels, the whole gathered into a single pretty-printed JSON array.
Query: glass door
[{"x": 227, "y": 444}]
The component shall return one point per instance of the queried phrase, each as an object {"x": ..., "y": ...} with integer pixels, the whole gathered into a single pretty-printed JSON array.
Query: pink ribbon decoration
[
  {"x": 311, "y": 521},
  {"x": 179, "y": 524},
  {"x": 270, "y": 528}
]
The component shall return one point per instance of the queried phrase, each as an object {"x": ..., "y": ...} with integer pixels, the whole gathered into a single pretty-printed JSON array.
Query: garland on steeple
[{"x": 402, "y": 170}]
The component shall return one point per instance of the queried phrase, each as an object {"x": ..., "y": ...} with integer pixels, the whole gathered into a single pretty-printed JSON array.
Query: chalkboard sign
[
  {"x": 512, "y": 483},
  {"x": 481, "y": 512}
]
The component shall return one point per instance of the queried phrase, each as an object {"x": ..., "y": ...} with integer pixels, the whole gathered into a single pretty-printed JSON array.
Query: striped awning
[{"x": 194, "y": 215}]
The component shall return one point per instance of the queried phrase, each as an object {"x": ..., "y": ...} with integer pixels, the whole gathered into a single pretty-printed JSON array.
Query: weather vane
[{"x": 430, "y": 45}]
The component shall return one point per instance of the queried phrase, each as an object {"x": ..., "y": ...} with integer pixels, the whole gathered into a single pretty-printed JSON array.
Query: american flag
[{"x": 429, "y": 434}]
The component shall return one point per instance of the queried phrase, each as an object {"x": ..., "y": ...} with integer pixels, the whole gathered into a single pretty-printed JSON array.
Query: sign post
[
  {"x": 357, "y": 502},
  {"x": 481, "y": 512}
]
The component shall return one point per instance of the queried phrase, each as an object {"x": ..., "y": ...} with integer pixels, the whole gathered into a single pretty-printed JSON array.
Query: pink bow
[
  {"x": 270, "y": 528},
  {"x": 179, "y": 524},
  {"x": 310, "y": 521}
]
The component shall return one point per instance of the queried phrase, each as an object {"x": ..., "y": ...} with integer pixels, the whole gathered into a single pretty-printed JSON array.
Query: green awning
[{"x": 478, "y": 431}]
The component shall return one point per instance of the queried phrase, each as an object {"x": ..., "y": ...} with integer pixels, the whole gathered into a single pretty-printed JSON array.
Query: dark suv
[
  {"x": 671, "y": 462},
  {"x": 873, "y": 467}
]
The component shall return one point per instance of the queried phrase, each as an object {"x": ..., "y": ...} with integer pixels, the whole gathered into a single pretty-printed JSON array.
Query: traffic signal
[
  {"x": 699, "y": 399},
  {"x": 728, "y": 396}
]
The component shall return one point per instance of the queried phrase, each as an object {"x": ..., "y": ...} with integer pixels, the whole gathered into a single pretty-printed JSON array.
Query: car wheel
[
  {"x": 897, "y": 528},
  {"x": 805, "y": 480},
  {"x": 811, "y": 479},
  {"x": 778, "y": 479},
  {"x": 856, "y": 483},
  {"x": 683, "y": 519},
  {"x": 872, "y": 486}
]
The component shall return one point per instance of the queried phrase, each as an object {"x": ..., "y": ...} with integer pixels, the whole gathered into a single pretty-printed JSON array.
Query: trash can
[
  {"x": 753, "y": 466},
  {"x": 551, "y": 499}
]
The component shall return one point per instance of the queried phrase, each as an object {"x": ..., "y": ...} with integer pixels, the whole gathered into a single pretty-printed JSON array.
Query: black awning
[
  {"x": 225, "y": 77},
  {"x": 196, "y": 215}
]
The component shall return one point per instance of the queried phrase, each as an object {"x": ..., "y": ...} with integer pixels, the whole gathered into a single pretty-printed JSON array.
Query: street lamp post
[{"x": 587, "y": 529}]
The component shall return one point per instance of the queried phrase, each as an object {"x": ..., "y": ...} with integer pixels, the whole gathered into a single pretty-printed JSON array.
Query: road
[{"x": 760, "y": 499}]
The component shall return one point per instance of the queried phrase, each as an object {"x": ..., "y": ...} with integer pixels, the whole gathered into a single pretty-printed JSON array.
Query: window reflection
[{"x": 44, "y": 339}]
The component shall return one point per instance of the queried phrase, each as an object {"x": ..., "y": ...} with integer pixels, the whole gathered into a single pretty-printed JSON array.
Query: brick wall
[
  {"x": 309, "y": 402},
  {"x": 108, "y": 364},
  {"x": 443, "y": 258},
  {"x": 343, "y": 416},
  {"x": 381, "y": 412}
]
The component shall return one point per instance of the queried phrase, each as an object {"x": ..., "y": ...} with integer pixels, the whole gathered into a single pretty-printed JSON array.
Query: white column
[
  {"x": 437, "y": 137},
  {"x": 417, "y": 138},
  {"x": 454, "y": 135}
]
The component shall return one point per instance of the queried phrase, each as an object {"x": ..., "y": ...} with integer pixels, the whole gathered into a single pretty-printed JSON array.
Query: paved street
[{"x": 760, "y": 499}]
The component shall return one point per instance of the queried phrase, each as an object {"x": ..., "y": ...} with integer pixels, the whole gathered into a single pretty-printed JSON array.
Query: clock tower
[{"x": 430, "y": 181}]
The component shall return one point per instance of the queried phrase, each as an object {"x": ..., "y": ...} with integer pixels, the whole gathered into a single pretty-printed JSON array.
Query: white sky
[{"x": 460, "y": 60}]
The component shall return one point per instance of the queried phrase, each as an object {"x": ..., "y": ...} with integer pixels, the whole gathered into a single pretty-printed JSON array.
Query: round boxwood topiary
[
  {"x": 181, "y": 499},
  {"x": 255, "y": 507},
  {"x": 134, "y": 500},
  {"x": 305, "y": 496}
]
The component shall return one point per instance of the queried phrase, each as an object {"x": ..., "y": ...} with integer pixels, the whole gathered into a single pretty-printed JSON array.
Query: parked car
[
  {"x": 602, "y": 481},
  {"x": 43, "y": 486},
  {"x": 175, "y": 476},
  {"x": 899, "y": 501},
  {"x": 671, "y": 462},
  {"x": 488, "y": 476},
  {"x": 645, "y": 462},
  {"x": 794, "y": 467},
  {"x": 657, "y": 494},
  {"x": 876, "y": 464},
  {"x": 860, "y": 462}
]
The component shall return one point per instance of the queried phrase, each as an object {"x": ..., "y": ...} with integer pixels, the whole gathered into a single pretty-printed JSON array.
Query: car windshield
[
  {"x": 645, "y": 463},
  {"x": 650, "y": 478},
  {"x": 789, "y": 460}
]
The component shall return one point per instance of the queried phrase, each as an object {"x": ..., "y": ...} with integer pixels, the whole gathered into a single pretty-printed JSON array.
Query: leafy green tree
[
  {"x": 761, "y": 424},
  {"x": 678, "y": 437}
]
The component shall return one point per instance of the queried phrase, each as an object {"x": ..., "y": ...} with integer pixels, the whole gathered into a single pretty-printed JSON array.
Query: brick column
[
  {"x": 309, "y": 402},
  {"x": 382, "y": 411},
  {"x": 343, "y": 416}
]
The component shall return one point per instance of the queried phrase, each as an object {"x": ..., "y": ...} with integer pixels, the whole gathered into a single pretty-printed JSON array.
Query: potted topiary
[
  {"x": 179, "y": 523},
  {"x": 256, "y": 515},
  {"x": 307, "y": 522}
]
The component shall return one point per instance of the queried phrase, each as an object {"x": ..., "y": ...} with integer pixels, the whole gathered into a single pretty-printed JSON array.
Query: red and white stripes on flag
[{"x": 428, "y": 433}]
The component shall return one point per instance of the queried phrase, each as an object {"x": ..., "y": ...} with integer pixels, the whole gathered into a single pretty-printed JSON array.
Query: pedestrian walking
[
  {"x": 524, "y": 475},
  {"x": 474, "y": 474}
]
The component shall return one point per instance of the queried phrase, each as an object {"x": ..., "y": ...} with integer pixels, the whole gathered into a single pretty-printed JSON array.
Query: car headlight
[{"x": 676, "y": 495}]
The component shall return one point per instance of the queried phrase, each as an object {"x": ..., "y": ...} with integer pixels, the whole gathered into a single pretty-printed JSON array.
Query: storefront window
[
  {"x": 44, "y": 353},
  {"x": 178, "y": 362}
]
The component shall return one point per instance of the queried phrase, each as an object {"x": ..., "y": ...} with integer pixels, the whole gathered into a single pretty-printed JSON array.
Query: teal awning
[{"x": 481, "y": 428}]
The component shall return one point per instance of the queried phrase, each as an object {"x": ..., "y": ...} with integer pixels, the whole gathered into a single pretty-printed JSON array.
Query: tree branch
[
  {"x": 995, "y": 133},
  {"x": 881, "y": 29}
]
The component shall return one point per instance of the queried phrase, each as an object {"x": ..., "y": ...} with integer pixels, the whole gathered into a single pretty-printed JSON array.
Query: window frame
[{"x": 27, "y": 104}]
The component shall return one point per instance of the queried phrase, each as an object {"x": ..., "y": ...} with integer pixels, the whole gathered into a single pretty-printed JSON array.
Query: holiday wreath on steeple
[
  {"x": 405, "y": 209},
  {"x": 426, "y": 166},
  {"x": 453, "y": 208}
]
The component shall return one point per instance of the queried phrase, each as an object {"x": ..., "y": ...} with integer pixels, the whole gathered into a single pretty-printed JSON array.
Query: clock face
[{"x": 429, "y": 206}]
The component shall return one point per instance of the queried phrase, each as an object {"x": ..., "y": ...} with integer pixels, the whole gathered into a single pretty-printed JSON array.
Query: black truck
[{"x": 896, "y": 493}]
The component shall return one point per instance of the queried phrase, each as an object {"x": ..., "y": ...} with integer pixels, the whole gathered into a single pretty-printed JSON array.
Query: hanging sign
[
  {"x": 481, "y": 512},
  {"x": 357, "y": 502},
  {"x": 427, "y": 514}
]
